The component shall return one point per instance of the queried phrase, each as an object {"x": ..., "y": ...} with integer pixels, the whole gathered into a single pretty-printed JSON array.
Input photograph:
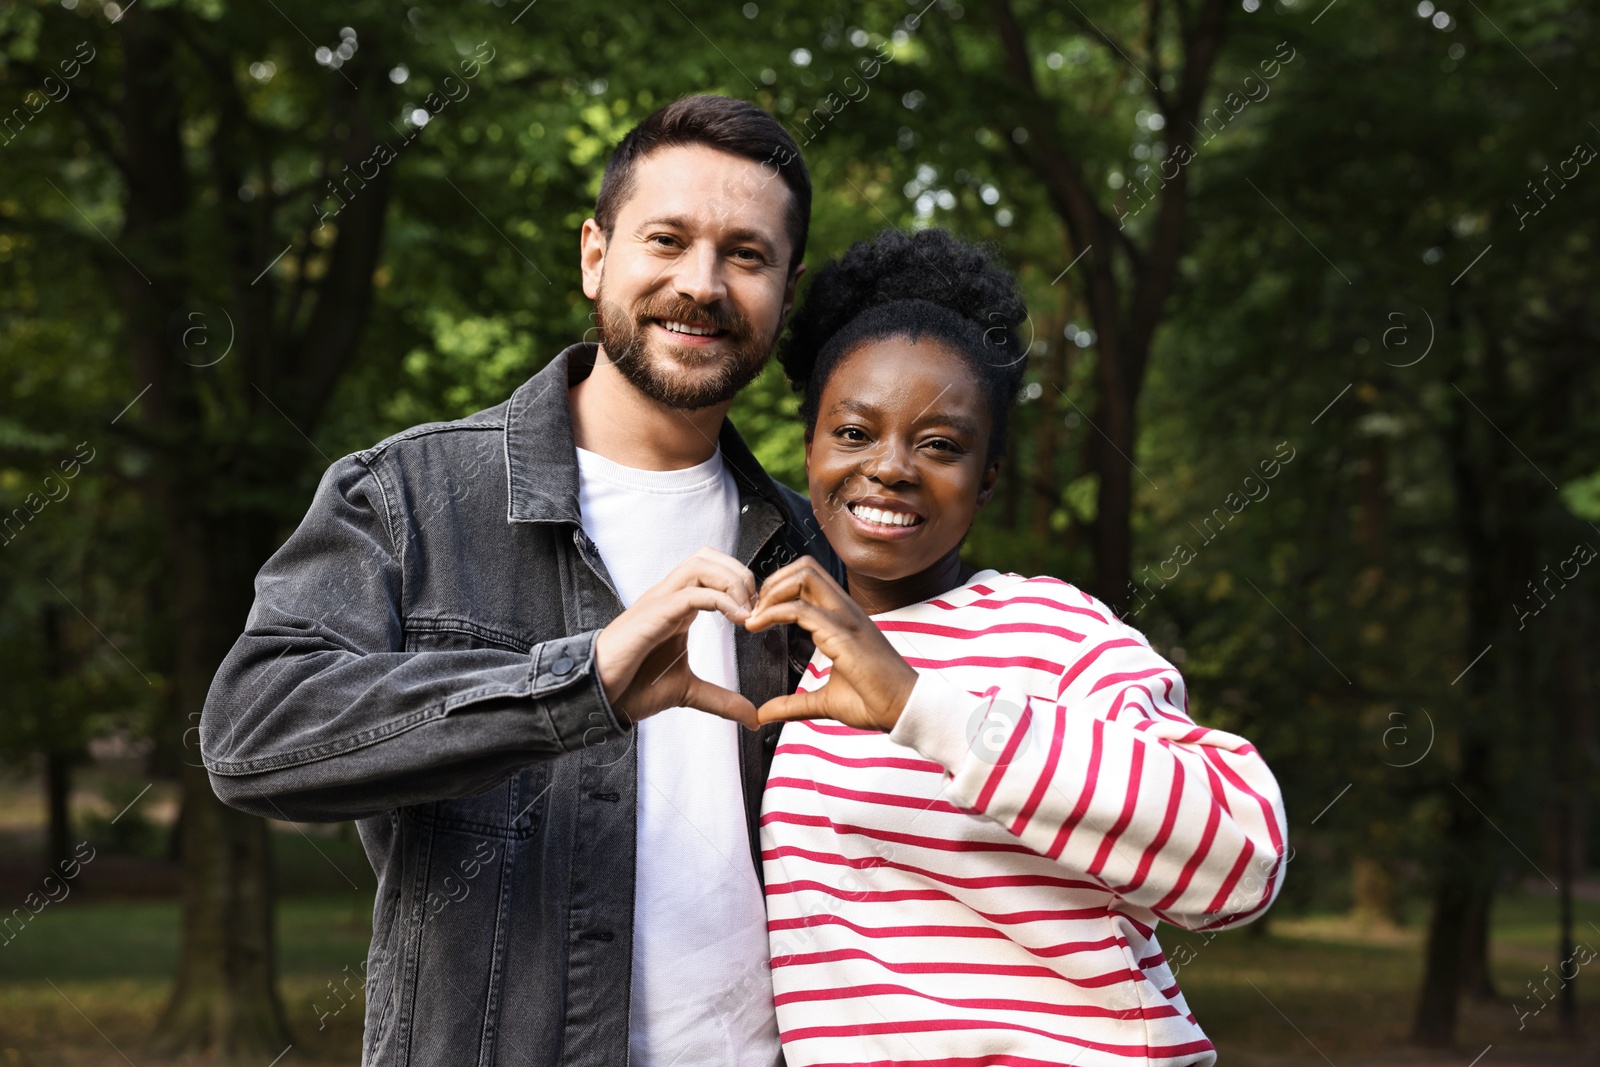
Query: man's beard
[{"x": 716, "y": 376}]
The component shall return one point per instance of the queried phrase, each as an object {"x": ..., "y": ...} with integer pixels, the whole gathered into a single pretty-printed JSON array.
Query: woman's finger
[
  {"x": 806, "y": 580},
  {"x": 816, "y": 621},
  {"x": 808, "y": 705}
]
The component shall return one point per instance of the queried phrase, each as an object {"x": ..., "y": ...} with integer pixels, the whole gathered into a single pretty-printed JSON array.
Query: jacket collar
[{"x": 542, "y": 461}]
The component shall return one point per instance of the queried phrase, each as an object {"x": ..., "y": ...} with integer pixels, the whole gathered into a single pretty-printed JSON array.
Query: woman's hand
[{"x": 869, "y": 682}]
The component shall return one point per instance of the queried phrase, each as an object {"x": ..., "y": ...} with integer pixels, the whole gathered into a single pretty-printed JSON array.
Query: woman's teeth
[
  {"x": 693, "y": 331},
  {"x": 884, "y": 518}
]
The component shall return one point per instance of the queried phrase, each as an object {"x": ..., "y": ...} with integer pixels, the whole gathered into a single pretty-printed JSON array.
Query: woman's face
[{"x": 897, "y": 465}]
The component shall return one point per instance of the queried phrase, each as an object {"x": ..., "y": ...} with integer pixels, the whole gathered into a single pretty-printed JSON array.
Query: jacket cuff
[
  {"x": 567, "y": 687},
  {"x": 934, "y": 720}
]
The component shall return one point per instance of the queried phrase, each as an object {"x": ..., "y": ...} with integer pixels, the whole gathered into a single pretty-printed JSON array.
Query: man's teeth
[
  {"x": 684, "y": 327},
  {"x": 883, "y": 518}
]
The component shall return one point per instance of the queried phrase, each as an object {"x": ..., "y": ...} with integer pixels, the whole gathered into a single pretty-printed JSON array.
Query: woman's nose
[{"x": 888, "y": 463}]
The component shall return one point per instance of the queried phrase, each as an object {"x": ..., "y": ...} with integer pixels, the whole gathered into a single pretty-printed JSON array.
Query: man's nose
[{"x": 699, "y": 275}]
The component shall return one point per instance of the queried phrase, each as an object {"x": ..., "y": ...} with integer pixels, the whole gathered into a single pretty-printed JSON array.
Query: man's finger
[
  {"x": 697, "y": 598},
  {"x": 719, "y": 701},
  {"x": 716, "y": 570}
]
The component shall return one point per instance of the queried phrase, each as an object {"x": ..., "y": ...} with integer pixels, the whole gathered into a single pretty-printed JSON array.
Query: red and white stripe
[{"x": 982, "y": 885}]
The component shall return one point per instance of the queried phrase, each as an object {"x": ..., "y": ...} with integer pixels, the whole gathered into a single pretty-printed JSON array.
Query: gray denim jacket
[{"x": 420, "y": 657}]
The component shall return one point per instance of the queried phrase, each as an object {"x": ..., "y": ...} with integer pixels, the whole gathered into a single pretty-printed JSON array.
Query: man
[{"x": 489, "y": 638}]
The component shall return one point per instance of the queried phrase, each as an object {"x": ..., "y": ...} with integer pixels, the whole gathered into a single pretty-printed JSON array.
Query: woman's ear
[{"x": 986, "y": 487}]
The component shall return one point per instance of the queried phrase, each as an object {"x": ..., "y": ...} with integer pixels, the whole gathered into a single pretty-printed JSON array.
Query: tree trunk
[
  {"x": 1113, "y": 515},
  {"x": 1462, "y": 892},
  {"x": 225, "y": 996},
  {"x": 1493, "y": 514},
  {"x": 58, "y": 759},
  {"x": 58, "y": 796},
  {"x": 1574, "y": 716},
  {"x": 1461, "y": 901},
  {"x": 1435, "y": 1024},
  {"x": 1477, "y": 982}
]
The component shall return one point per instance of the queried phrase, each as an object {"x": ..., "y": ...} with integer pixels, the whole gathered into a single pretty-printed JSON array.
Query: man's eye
[
  {"x": 662, "y": 240},
  {"x": 748, "y": 255},
  {"x": 851, "y": 433}
]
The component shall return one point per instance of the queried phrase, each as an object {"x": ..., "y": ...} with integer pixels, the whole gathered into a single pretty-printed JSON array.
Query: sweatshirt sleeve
[{"x": 1113, "y": 779}]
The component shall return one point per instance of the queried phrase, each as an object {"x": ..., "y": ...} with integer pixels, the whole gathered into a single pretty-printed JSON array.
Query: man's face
[{"x": 691, "y": 287}]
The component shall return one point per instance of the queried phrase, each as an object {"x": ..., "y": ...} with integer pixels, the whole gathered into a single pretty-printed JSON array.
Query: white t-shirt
[{"x": 702, "y": 987}]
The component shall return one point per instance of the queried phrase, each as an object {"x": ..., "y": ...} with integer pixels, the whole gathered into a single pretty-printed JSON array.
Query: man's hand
[
  {"x": 643, "y": 655},
  {"x": 869, "y": 682}
]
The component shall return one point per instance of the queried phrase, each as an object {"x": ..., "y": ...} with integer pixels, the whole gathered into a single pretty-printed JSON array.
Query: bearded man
[{"x": 494, "y": 642}]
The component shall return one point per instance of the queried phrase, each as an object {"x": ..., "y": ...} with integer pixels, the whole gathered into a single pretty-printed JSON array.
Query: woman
[{"x": 967, "y": 863}]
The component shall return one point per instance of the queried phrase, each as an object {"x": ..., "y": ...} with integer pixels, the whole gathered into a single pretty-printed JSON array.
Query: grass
[
  {"x": 82, "y": 985},
  {"x": 83, "y": 981},
  {"x": 1319, "y": 989}
]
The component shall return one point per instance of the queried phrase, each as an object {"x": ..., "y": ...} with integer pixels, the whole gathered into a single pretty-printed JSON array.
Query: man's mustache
[{"x": 718, "y": 316}]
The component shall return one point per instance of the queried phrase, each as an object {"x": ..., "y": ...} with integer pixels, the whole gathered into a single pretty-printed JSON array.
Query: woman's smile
[{"x": 880, "y": 517}]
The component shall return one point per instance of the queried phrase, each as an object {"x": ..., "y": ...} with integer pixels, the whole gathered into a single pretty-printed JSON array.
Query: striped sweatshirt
[{"x": 982, "y": 884}]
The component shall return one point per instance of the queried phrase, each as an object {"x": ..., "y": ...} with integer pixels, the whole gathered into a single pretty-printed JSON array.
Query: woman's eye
[{"x": 850, "y": 433}]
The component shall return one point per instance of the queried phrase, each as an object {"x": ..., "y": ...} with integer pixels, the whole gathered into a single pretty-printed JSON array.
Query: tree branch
[
  {"x": 1087, "y": 25},
  {"x": 1155, "y": 283},
  {"x": 89, "y": 117}
]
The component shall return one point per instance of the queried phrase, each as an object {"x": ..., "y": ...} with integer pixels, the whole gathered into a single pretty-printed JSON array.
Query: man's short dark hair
[{"x": 734, "y": 126}]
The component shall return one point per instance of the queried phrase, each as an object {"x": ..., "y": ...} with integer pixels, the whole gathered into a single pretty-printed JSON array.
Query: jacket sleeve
[
  {"x": 319, "y": 713},
  {"x": 1113, "y": 779}
]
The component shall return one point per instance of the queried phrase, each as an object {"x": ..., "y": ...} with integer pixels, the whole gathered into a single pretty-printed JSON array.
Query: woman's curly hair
[{"x": 923, "y": 284}]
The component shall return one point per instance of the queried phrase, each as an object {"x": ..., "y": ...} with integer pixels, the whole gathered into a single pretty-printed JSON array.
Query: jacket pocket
[
  {"x": 446, "y": 633},
  {"x": 512, "y": 810}
]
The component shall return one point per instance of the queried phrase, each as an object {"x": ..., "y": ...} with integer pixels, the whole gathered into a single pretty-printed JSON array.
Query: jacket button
[
  {"x": 562, "y": 665},
  {"x": 774, "y": 641}
]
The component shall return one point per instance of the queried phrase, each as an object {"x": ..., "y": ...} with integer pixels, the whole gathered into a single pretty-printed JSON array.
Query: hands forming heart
[{"x": 642, "y": 656}]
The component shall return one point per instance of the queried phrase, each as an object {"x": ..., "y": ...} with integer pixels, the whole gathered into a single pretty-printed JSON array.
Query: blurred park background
[{"x": 1313, "y": 397}]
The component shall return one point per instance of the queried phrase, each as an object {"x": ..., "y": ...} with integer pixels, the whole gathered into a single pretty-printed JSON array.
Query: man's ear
[
  {"x": 788, "y": 294},
  {"x": 591, "y": 257},
  {"x": 986, "y": 487}
]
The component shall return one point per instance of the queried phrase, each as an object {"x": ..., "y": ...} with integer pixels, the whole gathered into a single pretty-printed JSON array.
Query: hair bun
[{"x": 929, "y": 265}]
